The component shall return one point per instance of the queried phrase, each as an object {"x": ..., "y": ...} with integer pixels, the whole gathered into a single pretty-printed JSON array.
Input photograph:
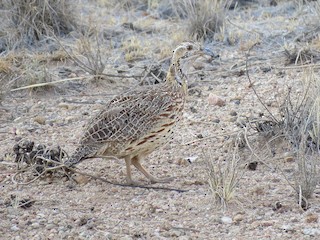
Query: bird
[{"x": 134, "y": 124}]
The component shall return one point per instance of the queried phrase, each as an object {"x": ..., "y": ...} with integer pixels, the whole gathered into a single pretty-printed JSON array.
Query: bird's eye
[{"x": 190, "y": 47}]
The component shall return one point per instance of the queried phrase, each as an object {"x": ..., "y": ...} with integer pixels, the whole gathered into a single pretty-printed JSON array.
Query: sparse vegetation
[
  {"x": 29, "y": 23},
  {"x": 254, "y": 189},
  {"x": 224, "y": 177},
  {"x": 301, "y": 127},
  {"x": 204, "y": 18},
  {"x": 89, "y": 56}
]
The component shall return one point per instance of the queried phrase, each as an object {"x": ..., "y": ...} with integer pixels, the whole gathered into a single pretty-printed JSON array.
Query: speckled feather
[{"x": 135, "y": 122}]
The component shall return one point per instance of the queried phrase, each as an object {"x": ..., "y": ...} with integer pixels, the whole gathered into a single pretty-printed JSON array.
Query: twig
[
  {"x": 126, "y": 185},
  {"x": 47, "y": 83},
  {"x": 242, "y": 28},
  {"x": 63, "y": 167},
  {"x": 252, "y": 151},
  {"x": 87, "y": 68},
  {"x": 300, "y": 66},
  {"x": 209, "y": 137},
  {"x": 252, "y": 86}
]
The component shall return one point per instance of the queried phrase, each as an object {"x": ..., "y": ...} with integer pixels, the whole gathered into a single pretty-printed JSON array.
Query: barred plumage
[{"x": 134, "y": 124}]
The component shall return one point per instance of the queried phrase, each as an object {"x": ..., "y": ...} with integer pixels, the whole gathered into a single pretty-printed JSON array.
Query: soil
[{"x": 221, "y": 100}]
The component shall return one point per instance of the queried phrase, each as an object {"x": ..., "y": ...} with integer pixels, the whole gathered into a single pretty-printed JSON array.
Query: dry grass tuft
[
  {"x": 27, "y": 23},
  {"x": 90, "y": 57},
  {"x": 301, "y": 54},
  {"x": 300, "y": 126},
  {"x": 204, "y": 18},
  {"x": 136, "y": 49},
  {"x": 6, "y": 74},
  {"x": 224, "y": 177}
]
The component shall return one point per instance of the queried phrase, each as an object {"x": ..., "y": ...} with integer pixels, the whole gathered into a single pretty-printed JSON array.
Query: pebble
[
  {"x": 69, "y": 119},
  {"x": 288, "y": 157},
  {"x": 216, "y": 100},
  {"x": 81, "y": 179},
  {"x": 311, "y": 218},
  {"x": 233, "y": 113},
  {"x": 226, "y": 220},
  {"x": 311, "y": 231},
  {"x": 231, "y": 119},
  {"x": 40, "y": 119},
  {"x": 63, "y": 105},
  {"x": 35, "y": 225},
  {"x": 238, "y": 218},
  {"x": 287, "y": 228},
  {"x": 15, "y": 228},
  {"x": 237, "y": 102},
  {"x": 50, "y": 226},
  {"x": 217, "y": 120}
]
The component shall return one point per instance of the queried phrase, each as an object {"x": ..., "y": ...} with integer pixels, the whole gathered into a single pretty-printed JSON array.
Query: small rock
[
  {"x": 200, "y": 136},
  {"x": 40, "y": 119},
  {"x": 277, "y": 206},
  {"x": 288, "y": 157},
  {"x": 231, "y": 119},
  {"x": 311, "y": 218},
  {"x": 253, "y": 165},
  {"x": 63, "y": 105},
  {"x": 81, "y": 179},
  {"x": 217, "y": 120},
  {"x": 35, "y": 225},
  {"x": 69, "y": 119},
  {"x": 238, "y": 218},
  {"x": 198, "y": 65},
  {"x": 191, "y": 159},
  {"x": 311, "y": 231},
  {"x": 14, "y": 228},
  {"x": 193, "y": 109},
  {"x": 226, "y": 220},
  {"x": 287, "y": 228},
  {"x": 50, "y": 226},
  {"x": 215, "y": 100},
  {"x": 176, "y": 233},
  {"x": 233, "y": 113},
  {"x": 236, "y": 102},
  {"x": 183, "y": 162}
]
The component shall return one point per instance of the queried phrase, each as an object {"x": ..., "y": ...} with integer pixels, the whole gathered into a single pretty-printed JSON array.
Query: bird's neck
[{"x": 176, "y": 77}]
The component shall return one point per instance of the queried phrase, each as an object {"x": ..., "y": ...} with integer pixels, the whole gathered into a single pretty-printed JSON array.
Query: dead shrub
[
  {"x": 27, "y": 23},
  {"x": 299, "y": 54},
  {"x": 299, "y": 126},
  {"x": 88, "y": 53},
  {"x": 302, "y": 129}
]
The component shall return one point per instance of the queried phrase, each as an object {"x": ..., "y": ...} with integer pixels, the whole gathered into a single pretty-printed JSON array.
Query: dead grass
[
  {"x": 300, "y": 126},
  {"x": 135, "y": 48},
  {"x": 6, "y": 73},
  {"x": 301, "y": 54},
  {"x": 27, "y": 23},
  {"x": 224, "y": 177},
  {"x": 204, "y": 18}
]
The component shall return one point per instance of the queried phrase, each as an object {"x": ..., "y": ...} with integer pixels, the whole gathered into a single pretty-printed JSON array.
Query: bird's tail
[{"x": 83, "y": 152}]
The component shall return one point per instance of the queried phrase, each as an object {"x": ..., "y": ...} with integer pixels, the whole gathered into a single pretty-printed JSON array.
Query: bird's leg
[
  {"x": 137, "y": 164},
  {"x": 129, "y": 175}
]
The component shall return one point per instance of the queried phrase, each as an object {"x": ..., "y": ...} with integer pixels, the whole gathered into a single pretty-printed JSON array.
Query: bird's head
[{"x": 187, "y": 51}]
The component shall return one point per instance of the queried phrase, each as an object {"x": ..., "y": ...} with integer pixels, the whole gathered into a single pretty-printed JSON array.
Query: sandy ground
[{"x": 264, "y": 205}]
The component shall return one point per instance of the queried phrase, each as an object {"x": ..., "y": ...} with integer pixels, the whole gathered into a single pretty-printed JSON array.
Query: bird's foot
[
  {"x": 161, "y": 180},
  {"x": 132, "y": 182}
]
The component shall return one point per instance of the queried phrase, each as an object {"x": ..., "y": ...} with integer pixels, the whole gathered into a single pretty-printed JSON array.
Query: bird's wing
[{"x": 127, "y": 117}]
